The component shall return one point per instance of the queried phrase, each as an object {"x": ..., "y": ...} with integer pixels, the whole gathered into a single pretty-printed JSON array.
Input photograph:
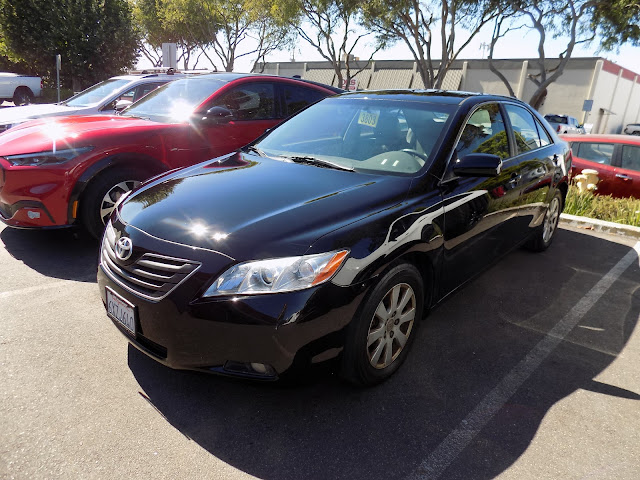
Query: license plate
[{"x": 121, "y": 311}]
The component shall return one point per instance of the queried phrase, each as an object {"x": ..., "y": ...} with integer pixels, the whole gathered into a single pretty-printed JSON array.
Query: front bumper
[
  {"x": 33, "y": 197},
  {"x": 184, "y": 331}
]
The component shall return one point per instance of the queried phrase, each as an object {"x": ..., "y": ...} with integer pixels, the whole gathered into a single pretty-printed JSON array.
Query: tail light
[{"x": 559, "y": 128}]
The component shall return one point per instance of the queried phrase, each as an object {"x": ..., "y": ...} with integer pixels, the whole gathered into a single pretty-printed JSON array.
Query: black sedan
[{"x": 332, "y": 234}]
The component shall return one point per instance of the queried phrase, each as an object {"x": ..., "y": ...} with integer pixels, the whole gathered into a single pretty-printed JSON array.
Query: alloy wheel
[
  {"x": 391, "y": 325},
  {"x": 113, "y": 195},
  {"x": 551, "y": 220}
]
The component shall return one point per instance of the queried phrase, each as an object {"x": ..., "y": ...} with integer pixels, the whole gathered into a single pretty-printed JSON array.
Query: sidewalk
[{"x": 600, "y": 225}]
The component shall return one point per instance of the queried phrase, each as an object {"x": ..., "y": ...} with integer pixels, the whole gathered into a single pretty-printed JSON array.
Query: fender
[{"x": 152, "y": 165}]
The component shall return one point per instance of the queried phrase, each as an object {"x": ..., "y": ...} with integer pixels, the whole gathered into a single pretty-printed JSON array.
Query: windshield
[
  {"x": 175, "y": 101},
  {"x": 97, "y": 94},
  {"x": 365, "y": 134}
]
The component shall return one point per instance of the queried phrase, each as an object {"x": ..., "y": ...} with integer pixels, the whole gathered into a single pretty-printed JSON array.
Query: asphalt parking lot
[{"x": 529, "y": 372}]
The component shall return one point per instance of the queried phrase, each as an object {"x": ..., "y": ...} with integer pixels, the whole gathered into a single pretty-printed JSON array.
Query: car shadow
[
  {"x": 65, "y": 253},
  {"x": 325, "y": 428}
]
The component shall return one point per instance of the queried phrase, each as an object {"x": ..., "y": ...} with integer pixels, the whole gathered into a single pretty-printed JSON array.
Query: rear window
[{"x": 556, "y": 119}]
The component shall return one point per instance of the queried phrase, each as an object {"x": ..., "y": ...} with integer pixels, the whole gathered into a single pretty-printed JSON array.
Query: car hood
[
  {"x": 69, "y": 132},
  {"x": 15, "y": 115},
  {"x": 251, "y": 207}
]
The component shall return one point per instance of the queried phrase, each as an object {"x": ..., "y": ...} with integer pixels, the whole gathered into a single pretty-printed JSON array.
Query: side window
[
  {"x": 525, "y": 130},
  {"x": 127, "y": 95},
  {"x": 296, "y": 98},
  {"x": 142, "y": 90},
  {"x": 631, "y": 157},
  {"x": 545, "y": 139},
  {"x": 484, "y": 133},
  {"x": 594, "y": 152},
  {"x": 250, "y": 102}
]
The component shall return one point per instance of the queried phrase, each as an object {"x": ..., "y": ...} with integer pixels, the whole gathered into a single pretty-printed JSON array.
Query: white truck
[
  {"x": 19, "y": 89},
  {"x": 632, "y": 129}
]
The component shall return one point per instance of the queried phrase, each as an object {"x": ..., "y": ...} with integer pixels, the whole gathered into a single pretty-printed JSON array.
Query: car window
[
  {"x": 175, "y": 101},
  {"x": 556, "y": 119},
  {"x": 484, "y": 132},
  {"x": 296, "y": 98},
  {"x": 594, "y": 152},
  {"x": 129, "y": 95},
  {"x": 630, "y": 157},
  {"x": 97, "y": 93},
  {"x": 250, "y": 102},
  {"x": 379, "y": 136},
  {"x": 545, "y": 139},
  {"x": 525, "y": 130},
  {"x": 142, "y": 90}
]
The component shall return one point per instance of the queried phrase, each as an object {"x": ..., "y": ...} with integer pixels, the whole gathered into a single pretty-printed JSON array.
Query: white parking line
[
  {"x": 447, "y": 451},
  {"x": 46, "y": 286}
]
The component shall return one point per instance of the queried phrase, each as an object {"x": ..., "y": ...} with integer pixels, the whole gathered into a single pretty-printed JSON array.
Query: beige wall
[
  {"x": 484, "y": 80},
  {"x": 566, "y": 96}
]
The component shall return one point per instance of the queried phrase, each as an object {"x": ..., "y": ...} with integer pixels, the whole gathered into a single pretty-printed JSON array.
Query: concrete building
[{"x": 615, "y": 91}]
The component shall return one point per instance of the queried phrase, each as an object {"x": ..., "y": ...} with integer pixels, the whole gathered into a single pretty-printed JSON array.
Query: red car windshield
[{"x": 175, "y": 101}]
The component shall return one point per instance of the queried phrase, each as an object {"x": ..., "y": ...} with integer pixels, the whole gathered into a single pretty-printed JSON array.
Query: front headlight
[
  {"x": 46, "y": 158},
  {"x": 278, "y": 275}
]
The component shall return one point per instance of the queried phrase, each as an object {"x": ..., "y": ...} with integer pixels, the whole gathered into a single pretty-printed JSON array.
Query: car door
[
  {"x": 253, "y": 110},
  {"x": 535, "y": 163},
  {"x": 477, "y": 216},
  {"x": 626, "y": 180},
  {"x": 596, "y": 156}
]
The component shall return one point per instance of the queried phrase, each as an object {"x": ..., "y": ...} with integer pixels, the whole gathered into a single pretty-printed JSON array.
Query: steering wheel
[{"x": 423, "y": 156}]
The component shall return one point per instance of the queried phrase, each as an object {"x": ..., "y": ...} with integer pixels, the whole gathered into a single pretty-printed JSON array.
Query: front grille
[{"x": 151, "y": 276}]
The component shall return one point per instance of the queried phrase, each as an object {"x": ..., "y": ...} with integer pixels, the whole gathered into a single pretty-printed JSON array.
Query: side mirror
[
  {"x": 478, "y": 165},
  {"x": 121, "y": 105},
  {"x": 217, "y": 115}
]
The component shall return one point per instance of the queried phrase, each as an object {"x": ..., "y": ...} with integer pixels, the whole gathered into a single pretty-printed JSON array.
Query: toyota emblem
[{"x": 124, "y": 248}]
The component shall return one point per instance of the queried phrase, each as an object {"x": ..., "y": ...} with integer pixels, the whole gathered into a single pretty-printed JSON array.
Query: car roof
[
  {"x": 149, "y": 76},
  {"x": 452, "y": 97},
  {"x": 599, "y": 137}
]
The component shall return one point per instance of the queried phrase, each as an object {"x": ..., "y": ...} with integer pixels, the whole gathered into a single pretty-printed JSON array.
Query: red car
[
  {"x": 615, "y": 157},
  {"x": 72, "y": 170}
]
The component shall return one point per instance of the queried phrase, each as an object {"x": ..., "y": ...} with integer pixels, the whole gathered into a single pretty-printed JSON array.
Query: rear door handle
[{"x": 623, "y": 176}]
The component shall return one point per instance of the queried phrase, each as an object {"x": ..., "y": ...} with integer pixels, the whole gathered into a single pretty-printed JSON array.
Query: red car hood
[{"x": 46, "y": 134}]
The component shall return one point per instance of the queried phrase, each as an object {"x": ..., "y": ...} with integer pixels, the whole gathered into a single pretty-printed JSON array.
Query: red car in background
[
  {"x": 72, "y": 170},
  {"x": 615, "y": 157}
]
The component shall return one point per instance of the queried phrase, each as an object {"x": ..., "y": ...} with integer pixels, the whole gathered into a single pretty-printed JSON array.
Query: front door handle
[{"x": 624, "y": 177}]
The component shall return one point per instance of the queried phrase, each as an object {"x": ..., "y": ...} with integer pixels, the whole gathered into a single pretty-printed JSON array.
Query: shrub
[
  {"x": 603, "y": 207},
  {"x": 50, "y": 95}
]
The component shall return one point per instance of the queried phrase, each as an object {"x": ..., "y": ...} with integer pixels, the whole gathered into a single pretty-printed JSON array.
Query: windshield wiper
[
  {"x": 317, "y": 161},
  {"x": 254, "y": 149}
]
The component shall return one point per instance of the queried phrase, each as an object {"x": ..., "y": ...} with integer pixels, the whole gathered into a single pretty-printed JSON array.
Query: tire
[
  {"x": 543, "y": 235},
  {"x": 100, "y": 196},
  {"x": 373, "y": 348},
  {"x": 22, "y": 96}
]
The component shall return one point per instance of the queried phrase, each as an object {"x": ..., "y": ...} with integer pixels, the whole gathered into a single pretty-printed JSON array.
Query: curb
[{"x": 600, "y": 225}]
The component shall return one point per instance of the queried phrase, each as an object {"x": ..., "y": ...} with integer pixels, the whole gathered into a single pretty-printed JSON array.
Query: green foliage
[
  {"x": 603, "y": 207},
  {"x": 200, "y": 27},
  {"x": 618, "y": 22},
  {"x": 50, "y": 95},
  {"x": 96, "y": 38}
]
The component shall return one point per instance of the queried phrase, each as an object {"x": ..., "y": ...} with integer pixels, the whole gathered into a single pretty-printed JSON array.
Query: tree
[
  {"x": 618, "y": 22},
  {"x": 417, "y": 22},
  {"x": 217, "y": 29},
  {"x": 331, "y": 19},
  {"x": 559, "y": 18},
  {"x": 96, "y": 38},
  {"x": 173, "y": 21}
]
